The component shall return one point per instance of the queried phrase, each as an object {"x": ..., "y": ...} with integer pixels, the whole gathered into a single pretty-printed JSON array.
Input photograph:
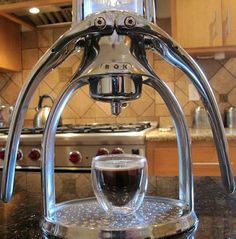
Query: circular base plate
[{"x": 157, "y": 217}]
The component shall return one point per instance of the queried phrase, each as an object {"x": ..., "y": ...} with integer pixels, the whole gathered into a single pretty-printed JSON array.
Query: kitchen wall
[{"x": 82, "y": 109}]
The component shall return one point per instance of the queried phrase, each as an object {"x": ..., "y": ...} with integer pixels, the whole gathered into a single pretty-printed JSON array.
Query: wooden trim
[
  {"x": 19, "y": 21},
  {"x": 55, "y": 25},
  {"x": 211, "y": 50},
  {"x": 173, "y": 18},
  {"x": 7, "y": 8},
  {"x": 230, "y": 51}
]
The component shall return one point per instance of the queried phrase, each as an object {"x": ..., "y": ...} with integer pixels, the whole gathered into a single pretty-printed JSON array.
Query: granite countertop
[
  {"x": 216, "y": 211},
  {"x": 162, "y": 135}
]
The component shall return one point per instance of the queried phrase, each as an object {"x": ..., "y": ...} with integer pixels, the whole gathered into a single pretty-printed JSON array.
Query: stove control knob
[
  {"x": 135, "y": 151},
  {"x": 19, "y": 155},
  {"x": 117, "y": 151},
  {"x": 102, "y": 151},
  {"x": 34, "y": 154},
  {"x": 2, "y": 153},
  {"x": 75, "y": 157}
]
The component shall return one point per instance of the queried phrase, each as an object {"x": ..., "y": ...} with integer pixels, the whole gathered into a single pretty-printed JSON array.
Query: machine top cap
[{"x": 83, "y": 8}]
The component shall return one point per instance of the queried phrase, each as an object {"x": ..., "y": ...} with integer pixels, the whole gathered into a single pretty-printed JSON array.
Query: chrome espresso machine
[{"x": 114, "y": 36}]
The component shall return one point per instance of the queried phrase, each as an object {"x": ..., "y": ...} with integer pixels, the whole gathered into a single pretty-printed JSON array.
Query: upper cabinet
[
  {"x": 204, "y": 24},
  {"x": 229, "y": 22},
  {"x": 10, "y": 45}
]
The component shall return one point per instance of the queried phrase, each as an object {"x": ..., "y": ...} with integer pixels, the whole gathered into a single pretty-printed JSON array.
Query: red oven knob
[
  {"x": 75, "y": 157},
  {"x": 2, "y": 153},
  {"x": 102, "y": 151},
  {"x": 117, "y": 151},
  {"x": 34, "y": 154},
  {"x": 19, "y": 155}
]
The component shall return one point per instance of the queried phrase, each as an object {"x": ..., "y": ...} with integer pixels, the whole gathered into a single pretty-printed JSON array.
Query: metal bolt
[
  {"x": 100, "y": 22},
  {"x": 130, "y": 22}
]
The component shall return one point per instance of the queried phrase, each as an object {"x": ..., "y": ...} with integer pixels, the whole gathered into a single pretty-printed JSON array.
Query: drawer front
[
  {"x": 164, "y": 160},
  {"x": 204, "y": 155},
  {"x": 206, "y": 169}
]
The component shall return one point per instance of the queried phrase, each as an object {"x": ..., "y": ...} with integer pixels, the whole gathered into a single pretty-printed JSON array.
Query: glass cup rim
[
  {"x": 104, "y": 169},
  {"x": 137, "y": 161},
  {"x": 126, "y": 156}
]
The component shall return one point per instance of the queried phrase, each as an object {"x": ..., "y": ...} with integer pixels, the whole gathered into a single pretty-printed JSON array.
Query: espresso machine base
[{"x": 158, "y": 217}]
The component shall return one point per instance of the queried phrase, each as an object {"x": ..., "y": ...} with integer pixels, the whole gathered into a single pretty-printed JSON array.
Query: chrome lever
[
  {"x": 54, "y": 56},
  {"x": 158, "y": 40},
  {"x": 175, "y": 55},
  {"x": 183, "y": 139}
]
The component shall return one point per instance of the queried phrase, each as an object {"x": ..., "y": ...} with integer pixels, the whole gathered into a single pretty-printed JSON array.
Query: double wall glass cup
[{"x": 120, "y": 182}]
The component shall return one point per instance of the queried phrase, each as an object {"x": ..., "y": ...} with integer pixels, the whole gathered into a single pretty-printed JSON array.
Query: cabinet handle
[
  {"x": 228, "y": 23},
  {"x": 215, "y": 24},
  {"x": 213, "y": 27}
]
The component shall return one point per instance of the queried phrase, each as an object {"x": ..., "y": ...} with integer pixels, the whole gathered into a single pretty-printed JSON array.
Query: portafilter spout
[{"x": 116, "y": 107}]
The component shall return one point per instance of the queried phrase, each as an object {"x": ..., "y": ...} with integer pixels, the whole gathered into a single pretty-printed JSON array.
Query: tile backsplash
[{"x": 82, "y": 109}]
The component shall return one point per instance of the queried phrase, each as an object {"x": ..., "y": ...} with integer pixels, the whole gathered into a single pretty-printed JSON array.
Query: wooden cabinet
[
  {"x": 163, "y": 158},
  {"x": 229, "y": 22},
  {"x": 197, "y": 23},
  {"x": 10, "y": 45},
  {"x": 204, "y": 24}
]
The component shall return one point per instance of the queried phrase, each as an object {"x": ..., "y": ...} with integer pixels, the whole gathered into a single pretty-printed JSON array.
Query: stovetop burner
[{"x": 89, "y": 128}]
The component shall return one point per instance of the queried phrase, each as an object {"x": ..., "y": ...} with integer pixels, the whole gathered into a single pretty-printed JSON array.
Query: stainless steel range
[{"x": 76, "y": 145}]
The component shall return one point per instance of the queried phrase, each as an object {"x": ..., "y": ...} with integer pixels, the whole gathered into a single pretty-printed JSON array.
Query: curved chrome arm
[
  {"x": 49, "y": 61},
  {"x": 183, "y": 140},
  {"x": 178, "y": 57},
  {"x": 53, "y": 57},
  {"x": 172, "y": 52},
  {"x": 48, "y": 143}
]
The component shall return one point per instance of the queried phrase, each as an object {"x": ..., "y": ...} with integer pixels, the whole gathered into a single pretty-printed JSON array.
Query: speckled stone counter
[
  {"x": 162, "y": 135},
  {"x": 216, "y": 211}
]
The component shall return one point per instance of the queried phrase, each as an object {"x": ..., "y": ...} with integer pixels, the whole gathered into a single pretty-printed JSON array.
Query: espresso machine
[{"x": 114, "y": 36}]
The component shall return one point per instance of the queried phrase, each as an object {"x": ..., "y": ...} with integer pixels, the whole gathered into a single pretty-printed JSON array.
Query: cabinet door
[
  {"x": 197, "y": 23},
  {"x": 10, "y": 45},
  {"x": 163, "y": 158},
  {"x": 232, "y": 155},
  {"x": 229, "y": 22},
  {"x": 205, "y": 159}
]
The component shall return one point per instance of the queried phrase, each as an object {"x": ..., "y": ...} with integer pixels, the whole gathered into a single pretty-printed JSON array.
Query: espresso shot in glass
[{"x": 120, "y": 182}]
